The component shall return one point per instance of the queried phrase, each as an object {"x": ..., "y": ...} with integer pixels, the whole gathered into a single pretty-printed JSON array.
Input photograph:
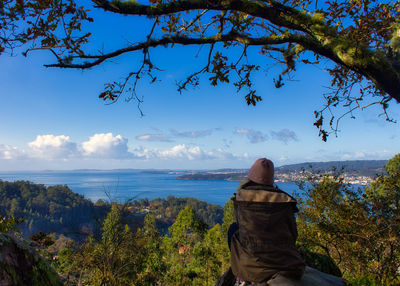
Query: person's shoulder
[{"x": 263, "y": 193}]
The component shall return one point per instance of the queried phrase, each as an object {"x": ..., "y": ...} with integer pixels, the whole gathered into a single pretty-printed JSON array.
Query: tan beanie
[{"x": 262, "y": 172}]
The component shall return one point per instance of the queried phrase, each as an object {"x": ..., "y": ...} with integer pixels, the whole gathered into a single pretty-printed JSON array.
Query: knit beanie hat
[{"x": 262, "y": 172}]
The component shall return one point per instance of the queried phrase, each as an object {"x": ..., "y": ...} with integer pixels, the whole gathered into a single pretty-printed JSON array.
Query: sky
[{"x": 52, "y": 119}]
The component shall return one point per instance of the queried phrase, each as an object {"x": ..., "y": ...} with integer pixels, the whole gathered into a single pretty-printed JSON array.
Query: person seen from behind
[{"x": 263, "y": 237}]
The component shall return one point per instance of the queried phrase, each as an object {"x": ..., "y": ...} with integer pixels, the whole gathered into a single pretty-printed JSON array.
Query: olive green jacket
[{"x": 265, "y": 245}]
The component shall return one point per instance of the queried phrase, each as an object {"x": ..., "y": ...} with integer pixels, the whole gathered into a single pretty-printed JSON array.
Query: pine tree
[
  {"x": 150, "y": 262},
  {"x": 187, "y": 230},
  {"x": 111, "y": 261}
]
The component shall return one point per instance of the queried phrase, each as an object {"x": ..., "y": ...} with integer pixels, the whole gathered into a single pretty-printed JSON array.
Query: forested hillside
[
  {"x": 58, "y": 209},
  {"x": 54, "y": 208}
]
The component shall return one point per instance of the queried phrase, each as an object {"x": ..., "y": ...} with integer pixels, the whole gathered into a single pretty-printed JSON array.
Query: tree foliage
[
  {"x": 212, "y": 256},
  {"x": 358, "y": 228},
  {"x": 44, "y": 24},
  {"x": 189, "y": 254},
  {"x": 110, "y": 260},
  {"x": 357, "y": 42},
  {"x": 10, "y": 223},
  {"x": 170, "y": 207},
  {"x": 152, "y": 266},
  {"x": 186, "y": 231}
]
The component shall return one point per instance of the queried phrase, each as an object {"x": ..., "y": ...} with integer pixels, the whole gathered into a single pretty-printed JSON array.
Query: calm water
[{"x": 123, "y": 185}]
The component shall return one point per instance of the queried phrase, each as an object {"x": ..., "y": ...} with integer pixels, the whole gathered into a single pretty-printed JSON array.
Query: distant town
[
  {"x": 360, "y": 172},
  {"x": 347, "y": 178}
]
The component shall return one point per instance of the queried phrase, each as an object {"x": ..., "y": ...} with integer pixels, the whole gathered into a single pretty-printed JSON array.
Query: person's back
[{"x": 264, "y": 244}]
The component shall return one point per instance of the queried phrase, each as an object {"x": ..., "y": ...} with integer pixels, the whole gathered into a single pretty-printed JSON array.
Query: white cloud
[
  {"x": 154, "y": 137},
  {"x": 192, "y": 134},
  {"x": 105, "y": 145},
  {"x": 8, "y": 152},
  {"x": 254, "y": 136},
  {"x": 367, "y": 155},
  {"x": 284, "y": 135},
  {"x": 52, "y": 147},
  {"x": 184, "y": 152}
]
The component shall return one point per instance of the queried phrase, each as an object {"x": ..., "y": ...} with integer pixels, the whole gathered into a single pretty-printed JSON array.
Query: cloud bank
[
  {"x": 107, "y": 146},
  {"x": 185, "y": 152}
]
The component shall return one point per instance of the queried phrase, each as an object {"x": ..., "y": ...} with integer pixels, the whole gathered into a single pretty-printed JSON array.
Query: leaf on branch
[
  {"x": 107, "y": 95},
  {"x": 319, "y": 122},
  {"x": 220, "y": 69},
  {"x": 110, "y": 94},
  {"x": 323, "y": 134},
  {"x": 252, "y": 98}
]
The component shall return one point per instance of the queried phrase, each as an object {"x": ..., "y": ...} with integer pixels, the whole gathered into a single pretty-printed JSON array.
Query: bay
[{"x": 122, "y": 185}]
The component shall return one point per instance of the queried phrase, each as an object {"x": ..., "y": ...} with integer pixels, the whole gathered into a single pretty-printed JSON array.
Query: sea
[{"x": 123, "y": 185}]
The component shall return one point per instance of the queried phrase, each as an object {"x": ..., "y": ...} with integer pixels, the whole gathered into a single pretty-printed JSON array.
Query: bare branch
[{"x": 193, "y": 79}]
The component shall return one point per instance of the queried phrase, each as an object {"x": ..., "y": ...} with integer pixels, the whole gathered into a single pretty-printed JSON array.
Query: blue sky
[{"x": 53, "y": 119}]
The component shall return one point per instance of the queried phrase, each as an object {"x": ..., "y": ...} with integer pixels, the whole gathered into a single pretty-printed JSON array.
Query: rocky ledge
[{"x": 20, "y": 264}]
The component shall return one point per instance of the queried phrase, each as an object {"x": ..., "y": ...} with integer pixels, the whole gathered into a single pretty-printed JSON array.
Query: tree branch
[
  {"x": 254, "y": 8},
  {"x": 183, "y": 40},
  {"x": 317, "y": 36}
]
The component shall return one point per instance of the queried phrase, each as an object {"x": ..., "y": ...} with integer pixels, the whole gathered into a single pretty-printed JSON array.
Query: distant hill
[
  {"x": 212, "y": 175},
  {"x": 368, "y": 168}
]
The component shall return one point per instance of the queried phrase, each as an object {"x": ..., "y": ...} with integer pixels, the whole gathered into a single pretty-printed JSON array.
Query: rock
[
  {"x": 314, "y": 277},
  {"x": 311, "y": 277},
  {"x": 320, "y": 262},
  {"x": 20, "y": 264}
]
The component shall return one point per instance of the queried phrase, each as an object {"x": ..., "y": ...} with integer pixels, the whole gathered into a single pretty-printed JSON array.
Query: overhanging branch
[
  {"x": 275, "y": 13},
  {"x": 319, "y": 36},
  {"x": 183, "y": 40}
]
